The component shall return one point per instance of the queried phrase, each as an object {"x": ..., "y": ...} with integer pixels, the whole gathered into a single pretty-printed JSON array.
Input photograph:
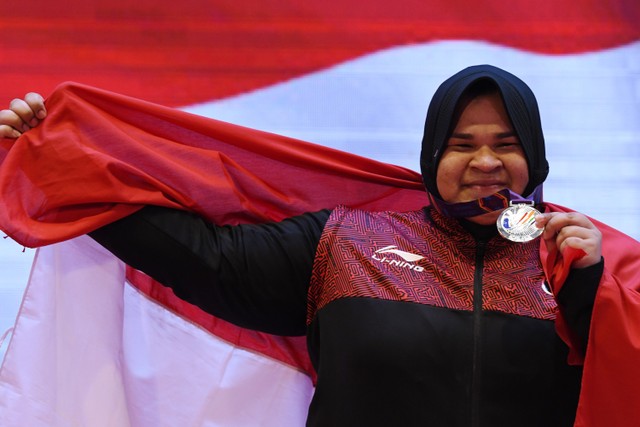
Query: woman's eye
[{"x": 460, "y": 146}]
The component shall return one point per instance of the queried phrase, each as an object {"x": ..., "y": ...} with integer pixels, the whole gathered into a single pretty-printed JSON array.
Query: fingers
[
  {"x": 573, "y": 230},
  {"x": 554, "y": 222},
  {"x": 36, "y": 106},
  {"x": 22, "y": 115},
  {"x": 9, "y": 122}
]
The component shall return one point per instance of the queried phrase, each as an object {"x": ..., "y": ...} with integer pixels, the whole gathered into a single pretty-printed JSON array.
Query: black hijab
[{"x": 521, "y": 106}]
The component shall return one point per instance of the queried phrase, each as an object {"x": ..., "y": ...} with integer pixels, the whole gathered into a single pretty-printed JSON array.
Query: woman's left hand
[{"x": 575, "y": 230}]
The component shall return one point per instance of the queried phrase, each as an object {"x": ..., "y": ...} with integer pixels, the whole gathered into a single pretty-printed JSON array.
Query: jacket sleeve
[
  {"x": 253, "y": 275},
  {"x": 576, "y": 300}
]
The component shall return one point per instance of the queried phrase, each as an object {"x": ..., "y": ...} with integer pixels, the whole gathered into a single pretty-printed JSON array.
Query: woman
[{"x": 416, "y": 318}]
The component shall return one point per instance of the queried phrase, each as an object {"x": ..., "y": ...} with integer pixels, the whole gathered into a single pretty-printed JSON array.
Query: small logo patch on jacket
[{"x": 406, "y": 261}]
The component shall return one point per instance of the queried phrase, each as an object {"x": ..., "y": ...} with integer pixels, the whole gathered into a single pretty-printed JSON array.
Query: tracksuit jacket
[{"x": 412, "y": 319}]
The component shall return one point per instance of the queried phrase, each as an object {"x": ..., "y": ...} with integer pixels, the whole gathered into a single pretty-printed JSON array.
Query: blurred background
[{"x": 353, "y": 75}]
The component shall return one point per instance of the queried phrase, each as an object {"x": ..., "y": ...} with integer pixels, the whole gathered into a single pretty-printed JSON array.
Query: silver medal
[{"x": 517, "y": 222}]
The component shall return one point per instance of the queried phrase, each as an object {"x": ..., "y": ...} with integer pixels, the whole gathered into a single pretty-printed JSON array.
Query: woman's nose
[{"x": 486, "y": 159}]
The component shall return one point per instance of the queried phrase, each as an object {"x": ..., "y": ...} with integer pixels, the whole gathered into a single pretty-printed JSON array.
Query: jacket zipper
[{"x": 476, "y": 377}]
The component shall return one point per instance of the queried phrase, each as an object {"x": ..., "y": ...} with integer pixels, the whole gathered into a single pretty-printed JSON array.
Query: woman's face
[{"x": 482, "y": 156}]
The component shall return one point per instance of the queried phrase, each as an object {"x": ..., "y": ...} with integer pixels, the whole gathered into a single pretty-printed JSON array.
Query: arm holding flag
[{"x": 219, "y": 259}]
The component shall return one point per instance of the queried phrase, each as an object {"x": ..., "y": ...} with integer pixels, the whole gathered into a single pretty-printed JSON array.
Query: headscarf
[{"x": 520, "y": 104}]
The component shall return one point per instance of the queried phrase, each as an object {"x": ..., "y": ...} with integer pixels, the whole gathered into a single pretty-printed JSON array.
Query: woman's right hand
[{"x": 22, "y": 115}]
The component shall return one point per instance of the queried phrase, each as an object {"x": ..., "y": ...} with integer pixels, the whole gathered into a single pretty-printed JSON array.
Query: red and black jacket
[{"x": 394, "y": 343}]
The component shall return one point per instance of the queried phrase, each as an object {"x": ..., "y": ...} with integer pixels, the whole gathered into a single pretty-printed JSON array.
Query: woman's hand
[
  {"x": 573, "y": 230},
  {"x": 22, "y": 115}
]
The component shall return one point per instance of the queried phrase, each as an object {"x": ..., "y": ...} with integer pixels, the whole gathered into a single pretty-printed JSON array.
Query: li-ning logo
[{"x": 407, "y": 258}]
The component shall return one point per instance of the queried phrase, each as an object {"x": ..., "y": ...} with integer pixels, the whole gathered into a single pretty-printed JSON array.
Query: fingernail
[
  {"x": 25, "y": 127},
  {"x": 41, "y": 114},
  {"x": 33, "y": 122}
]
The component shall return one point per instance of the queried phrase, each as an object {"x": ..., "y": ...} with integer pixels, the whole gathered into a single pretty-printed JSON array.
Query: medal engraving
[{"x": 517, "y": 223}]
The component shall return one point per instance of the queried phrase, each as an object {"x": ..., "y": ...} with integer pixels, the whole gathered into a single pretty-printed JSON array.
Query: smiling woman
[
  {"x": 474, "y": 299},
  {"x": 483, "y": 154}
]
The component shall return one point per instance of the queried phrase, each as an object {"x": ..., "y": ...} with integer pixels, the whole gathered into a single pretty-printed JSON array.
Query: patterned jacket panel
[{"x": 425, "y": 258}]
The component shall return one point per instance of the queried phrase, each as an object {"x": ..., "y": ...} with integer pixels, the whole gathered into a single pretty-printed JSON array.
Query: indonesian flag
[
  {"x": 91, "y": 350},
  {"x": 98, "y": 344}
]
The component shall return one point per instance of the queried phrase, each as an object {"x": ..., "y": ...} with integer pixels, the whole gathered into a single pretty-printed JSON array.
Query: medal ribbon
[{"x": 495, "y": 202}]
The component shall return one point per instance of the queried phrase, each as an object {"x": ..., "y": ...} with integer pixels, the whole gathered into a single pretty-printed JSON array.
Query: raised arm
[{"x": 253, "y": 275}]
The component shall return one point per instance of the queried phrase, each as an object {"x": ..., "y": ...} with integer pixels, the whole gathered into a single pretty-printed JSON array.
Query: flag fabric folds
[
  {"x": 55, "y": 174},
  {"x": 91, "y": 350}
]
